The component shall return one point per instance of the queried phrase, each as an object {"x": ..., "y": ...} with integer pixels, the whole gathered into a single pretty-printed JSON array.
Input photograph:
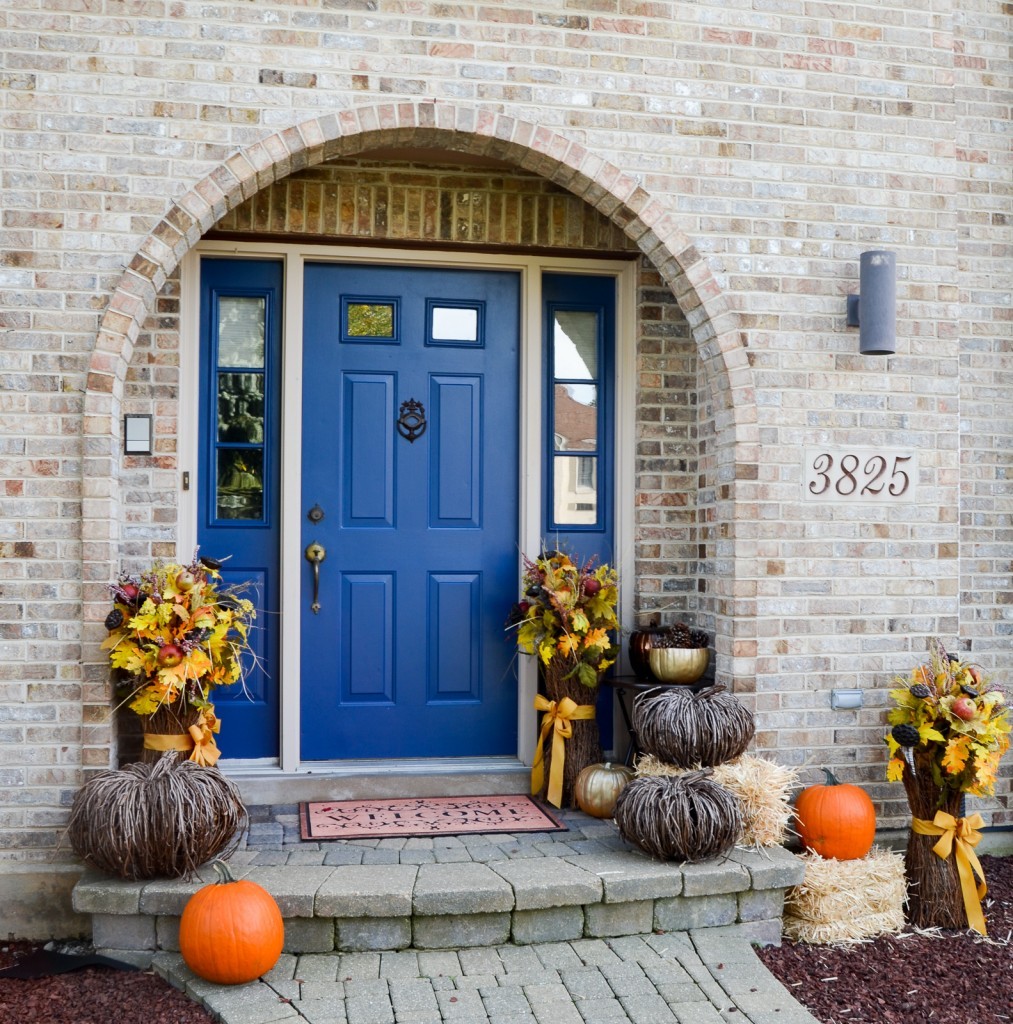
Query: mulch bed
[
  {"x": 92, "y": 995},
  {"x": 911, "y": 978}
]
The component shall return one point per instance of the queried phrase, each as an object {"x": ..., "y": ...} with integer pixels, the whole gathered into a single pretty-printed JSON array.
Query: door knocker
[{"x": 411, "y": 424}]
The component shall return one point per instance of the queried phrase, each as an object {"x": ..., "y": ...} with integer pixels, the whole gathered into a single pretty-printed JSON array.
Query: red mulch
[
  {"x": 911, "y": 979},
  {"x": 92, "y": 995}
]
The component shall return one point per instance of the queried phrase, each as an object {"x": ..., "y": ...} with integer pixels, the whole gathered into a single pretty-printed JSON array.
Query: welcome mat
[{"x": 424, "y": 816}]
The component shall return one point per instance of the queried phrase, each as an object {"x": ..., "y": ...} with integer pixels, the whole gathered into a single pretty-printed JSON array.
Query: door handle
[{"x": 315, "y": 554}]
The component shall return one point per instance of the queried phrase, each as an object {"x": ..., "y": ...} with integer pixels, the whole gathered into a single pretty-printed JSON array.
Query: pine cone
[{"x": 905, "y": 735}]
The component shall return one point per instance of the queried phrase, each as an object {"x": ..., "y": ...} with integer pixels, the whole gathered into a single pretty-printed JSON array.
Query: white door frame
[{"x": 530, "y": 269}]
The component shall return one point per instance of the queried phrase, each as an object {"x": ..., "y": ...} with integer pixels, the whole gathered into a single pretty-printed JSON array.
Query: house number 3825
[{"x": 859, "y": 474}]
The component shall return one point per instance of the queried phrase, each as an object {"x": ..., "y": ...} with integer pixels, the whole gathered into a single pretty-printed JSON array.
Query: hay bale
[
  {"x": 846, "y": 900},
  {"x": 687, "y": 729},
  {"x": 688, "y": 817},
  {"x": 763, "y": 788},
  {"x": 156, "y": 820}
]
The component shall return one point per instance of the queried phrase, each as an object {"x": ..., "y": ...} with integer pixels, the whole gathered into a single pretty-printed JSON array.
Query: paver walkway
[
  {"x": 701, "y": 976},
  {"x": 711, "y": 976}
]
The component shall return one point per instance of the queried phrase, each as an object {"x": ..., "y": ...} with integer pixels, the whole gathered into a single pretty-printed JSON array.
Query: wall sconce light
[
  {"x": 136, "y": 434},
  {"x": 874, "y": 310}
]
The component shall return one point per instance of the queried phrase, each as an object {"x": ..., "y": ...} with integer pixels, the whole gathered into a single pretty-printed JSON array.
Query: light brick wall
[{"x": 750, "y": 151}]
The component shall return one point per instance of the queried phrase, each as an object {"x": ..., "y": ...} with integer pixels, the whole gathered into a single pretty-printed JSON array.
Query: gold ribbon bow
[
  {"x": 964, "y": 833},
  {"x": 205, "y": 750},
  {"x": 558, "y": 717},
  {"x": 199, "y": 740}
]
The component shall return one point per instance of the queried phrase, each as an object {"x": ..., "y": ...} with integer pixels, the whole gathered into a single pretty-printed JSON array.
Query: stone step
[{"x": 528, "y": 898}]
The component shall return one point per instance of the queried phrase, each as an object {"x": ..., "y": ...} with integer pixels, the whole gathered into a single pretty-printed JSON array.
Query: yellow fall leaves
[
  {"x": 180, "y": 610},
  {"x": 961, "y": 719},
  {"x": 568, "y": 612}
]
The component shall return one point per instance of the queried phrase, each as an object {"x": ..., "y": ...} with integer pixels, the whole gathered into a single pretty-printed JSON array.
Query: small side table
[{"x": 635, "y": 685}]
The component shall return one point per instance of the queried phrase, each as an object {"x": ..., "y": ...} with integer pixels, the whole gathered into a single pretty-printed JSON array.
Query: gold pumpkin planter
[
  {"x": 683, "y": 665},
  {"x": 598, "y": 787}
]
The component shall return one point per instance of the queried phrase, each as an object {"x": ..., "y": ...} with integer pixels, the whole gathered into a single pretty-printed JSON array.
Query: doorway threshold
[{"x": 261, "y": 783}]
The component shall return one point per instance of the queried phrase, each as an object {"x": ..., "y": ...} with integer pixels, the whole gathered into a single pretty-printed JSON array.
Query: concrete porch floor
[{"x": 576, "y": 926}]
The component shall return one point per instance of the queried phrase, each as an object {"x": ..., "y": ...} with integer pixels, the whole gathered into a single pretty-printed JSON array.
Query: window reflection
[
  {"x": 241, "y": 407},
  {"x": 451, "y": 323},
  {"x": 575, "y": 490},
  {"x": 241, "y": 326},
  {"x": 575, "y": 345},
  {"x": 240, "y": 476},
  {"x": 575, "y": 413},
  {"x": 369, "y": 320}
]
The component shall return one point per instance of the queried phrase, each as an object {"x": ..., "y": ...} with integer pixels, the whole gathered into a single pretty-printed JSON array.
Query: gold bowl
[{"x": 678, "y": 664}]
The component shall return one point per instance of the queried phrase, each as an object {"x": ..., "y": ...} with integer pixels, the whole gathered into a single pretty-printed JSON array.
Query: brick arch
[{"x": 646, "y": 220}]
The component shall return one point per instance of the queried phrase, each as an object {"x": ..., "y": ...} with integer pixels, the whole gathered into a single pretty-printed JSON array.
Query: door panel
[
  {"x": 407, "y": 656},
  {"x": 456, "y": 492},
  {"x": 368, "y": 482},
  {"x": 367, "y": 626}
]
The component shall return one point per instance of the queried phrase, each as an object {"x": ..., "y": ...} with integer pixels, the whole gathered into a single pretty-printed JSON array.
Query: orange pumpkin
[
  {"x": 598, "y": 786},
  {"x": 231, "y": 931},
  {"x": 836, "y": 819}
]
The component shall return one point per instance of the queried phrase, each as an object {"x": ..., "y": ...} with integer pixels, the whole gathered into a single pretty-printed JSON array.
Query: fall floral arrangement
[
  {"x": 175, "y": 634},
  {"x": 949, "y": 730},
  {"x": 953, "y": 712},
  {"x": 568, "y": 612}
]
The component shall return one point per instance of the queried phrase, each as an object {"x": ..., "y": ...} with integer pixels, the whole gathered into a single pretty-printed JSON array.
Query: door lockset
[{"x": 315, "y": 554}]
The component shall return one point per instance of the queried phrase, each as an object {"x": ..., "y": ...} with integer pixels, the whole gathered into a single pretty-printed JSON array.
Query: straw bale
[
  {"x": 846, "y": 900},
  {"x": 763, "y": 788}
]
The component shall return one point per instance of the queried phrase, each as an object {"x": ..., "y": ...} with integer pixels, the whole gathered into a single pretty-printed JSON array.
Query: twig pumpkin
[
  {"x": 689, "y": 729},
  {"x": 231, "y": 931},
  {"x": 159, "y": 820},
  {"x": 836, "y": 819},
  {"x": 682, "y": 817}
]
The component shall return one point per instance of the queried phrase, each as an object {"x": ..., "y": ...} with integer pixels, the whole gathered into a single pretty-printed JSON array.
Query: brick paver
[{"x": 668, "y": 979}]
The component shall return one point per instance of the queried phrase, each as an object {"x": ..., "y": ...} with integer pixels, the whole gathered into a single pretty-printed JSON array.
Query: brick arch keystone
[{"x": 645, "y": 219}]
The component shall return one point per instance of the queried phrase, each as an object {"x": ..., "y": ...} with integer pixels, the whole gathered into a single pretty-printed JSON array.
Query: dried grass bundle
[
  {"x": 688, "y": 729},
  {"x": 156, "y": 820},
  {"x": 846, "y": 900},
  {"x": 763, "y": 788},
  {"x": 685, "y": 817}
]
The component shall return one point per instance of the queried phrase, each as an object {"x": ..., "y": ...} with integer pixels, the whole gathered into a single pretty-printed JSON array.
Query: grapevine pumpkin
[
  {"x": 691, "y": 729},
  {"x": 836, "y": 819},
  {"x": 598, "y": 786},
  {"x": 231, "y": 931},
  {"x": 682, "y": 817}
]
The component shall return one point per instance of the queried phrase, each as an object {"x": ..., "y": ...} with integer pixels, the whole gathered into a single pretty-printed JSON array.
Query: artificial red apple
[
  {"x": 130, "y": 592},
  {"x": 964, "y": 708},
  {"x": 185, "y": 580},
  {"x": 169, "y": 656},
  {"x": 591, "y": 586},
  {"x": 974, "y": 671}
]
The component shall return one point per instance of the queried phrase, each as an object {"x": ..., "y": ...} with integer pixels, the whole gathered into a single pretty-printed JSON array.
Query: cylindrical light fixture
[{"x": 874, "y": 309}]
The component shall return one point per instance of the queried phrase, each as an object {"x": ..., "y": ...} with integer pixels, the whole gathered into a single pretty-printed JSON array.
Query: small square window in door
[
  {"x": 366, "y": 320},
  {"x": 455, "y": 323}
]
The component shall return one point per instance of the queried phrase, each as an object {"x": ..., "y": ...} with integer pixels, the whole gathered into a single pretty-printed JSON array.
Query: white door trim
[{"x": 530, "y": 269}]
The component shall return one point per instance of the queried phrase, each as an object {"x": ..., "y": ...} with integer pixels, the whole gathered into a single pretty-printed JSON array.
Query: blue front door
[{"x": 410, "y": 492}]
